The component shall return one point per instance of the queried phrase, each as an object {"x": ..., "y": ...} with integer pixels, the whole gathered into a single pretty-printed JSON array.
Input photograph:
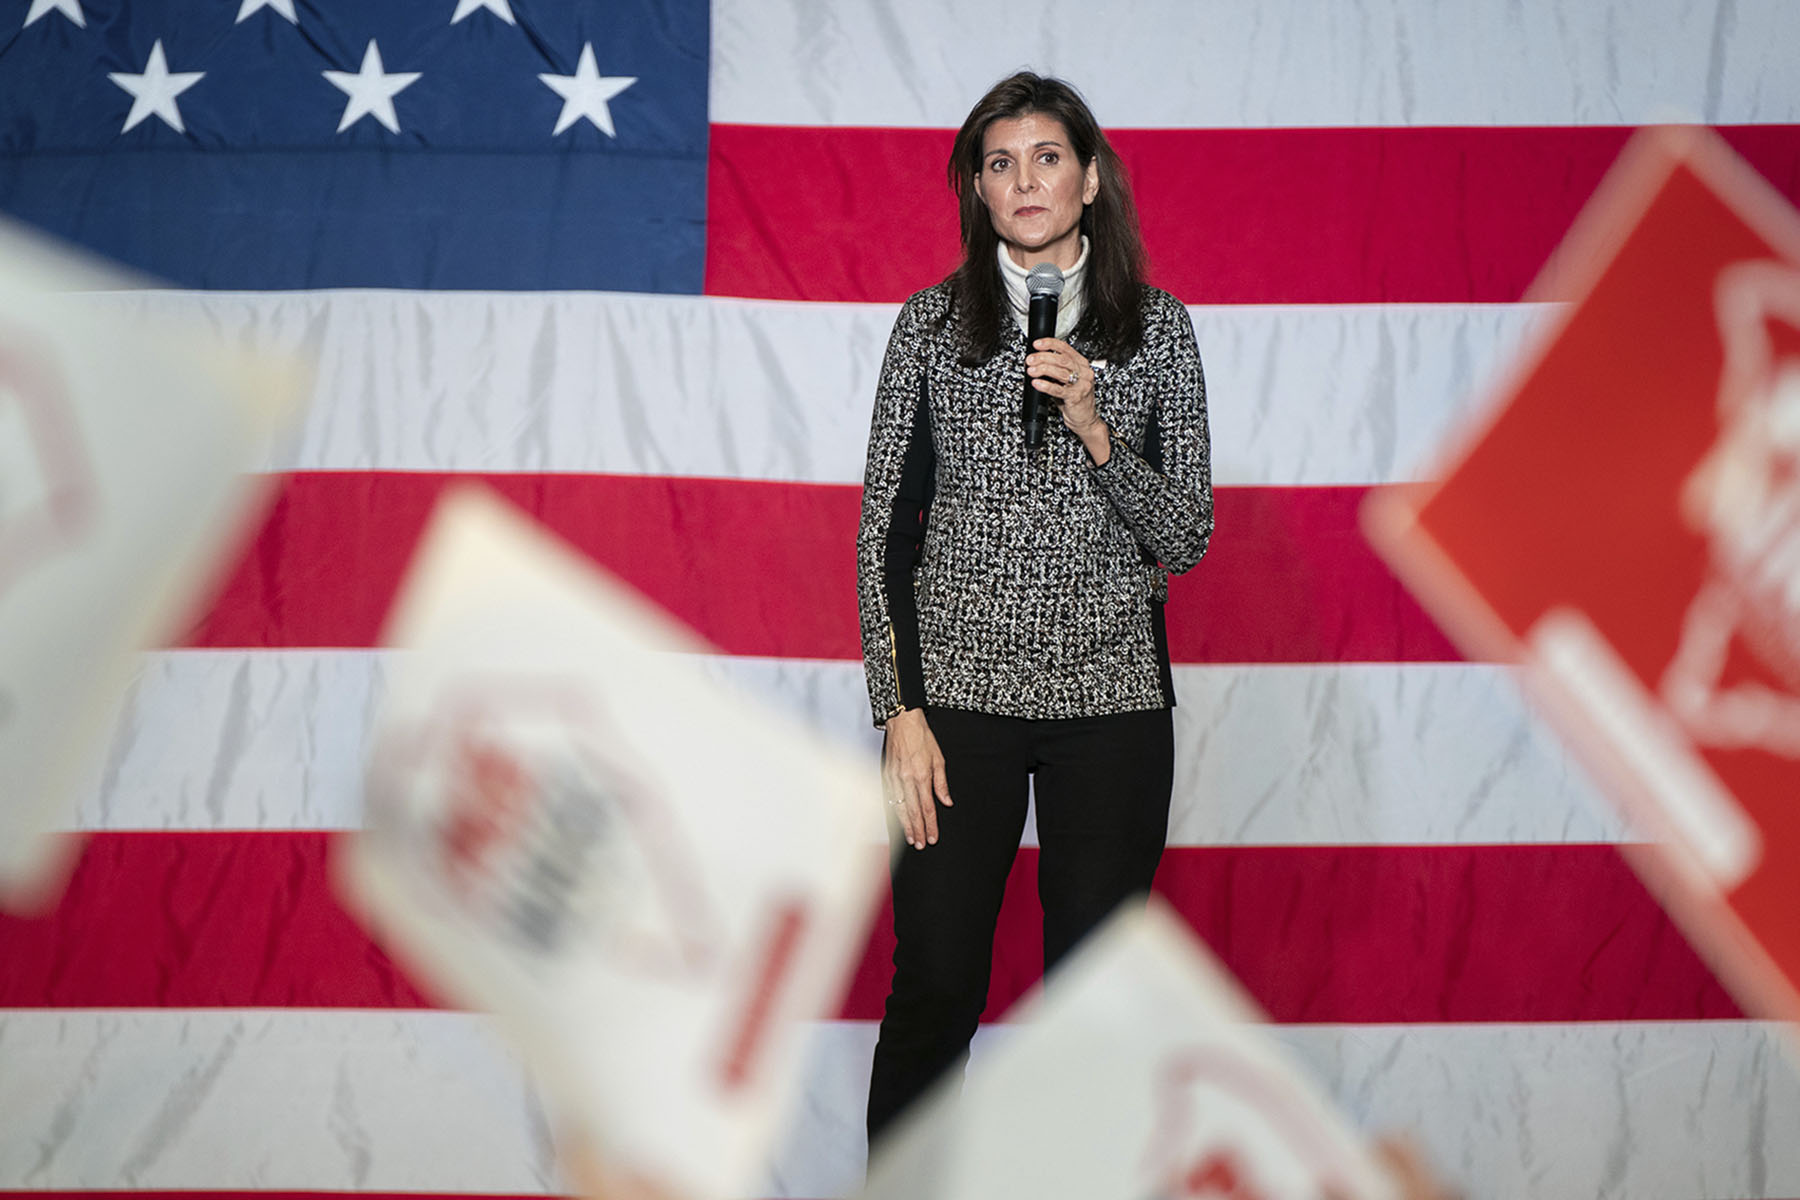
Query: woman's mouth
[{"x": 1030, "y": 210}]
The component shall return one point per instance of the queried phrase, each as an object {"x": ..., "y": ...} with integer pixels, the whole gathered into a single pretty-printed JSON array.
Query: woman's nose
[{"x": 1026, "y": 180}]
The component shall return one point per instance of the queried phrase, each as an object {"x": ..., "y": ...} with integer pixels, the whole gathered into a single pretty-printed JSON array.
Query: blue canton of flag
[{"x": 263, "y": 144}]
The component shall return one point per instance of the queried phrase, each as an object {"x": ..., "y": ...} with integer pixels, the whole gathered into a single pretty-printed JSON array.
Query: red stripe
[
  {"x": 1257, "y": 216},
  {"x": 1340, "y": 934},
  {"x": 1380, "y": 934},
  {"x": 769, "y": 568}
]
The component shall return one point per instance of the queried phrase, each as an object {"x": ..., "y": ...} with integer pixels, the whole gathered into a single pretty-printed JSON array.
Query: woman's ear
[{"x": 1091, "y": 186}]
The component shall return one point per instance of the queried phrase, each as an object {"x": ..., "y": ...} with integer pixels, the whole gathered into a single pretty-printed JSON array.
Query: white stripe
[
  {"x": 316, "y": 1100},
  {"x": 770, "y": 390},
  {"x": 1182, "y": 63},
  {"x": 1347, "y": 754},
  {"x": 266, "y": 1099}
]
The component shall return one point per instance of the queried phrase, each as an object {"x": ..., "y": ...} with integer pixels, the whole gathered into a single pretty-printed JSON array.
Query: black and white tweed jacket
[{"x": 1027, "y": 584}]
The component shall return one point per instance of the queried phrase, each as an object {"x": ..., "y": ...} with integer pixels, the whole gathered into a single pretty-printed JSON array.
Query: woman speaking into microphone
[{"x": 1012, "y": 597}]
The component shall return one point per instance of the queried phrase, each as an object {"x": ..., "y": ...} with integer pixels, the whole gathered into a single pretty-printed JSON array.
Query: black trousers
[{"x": 1103, "y": 786}]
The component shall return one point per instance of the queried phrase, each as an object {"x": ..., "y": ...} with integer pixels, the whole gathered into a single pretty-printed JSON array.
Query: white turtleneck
[{"x": 1068, "y": 309}]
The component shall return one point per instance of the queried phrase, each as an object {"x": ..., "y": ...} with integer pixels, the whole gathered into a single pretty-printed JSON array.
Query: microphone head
[{"x": 1045, "y": 279}]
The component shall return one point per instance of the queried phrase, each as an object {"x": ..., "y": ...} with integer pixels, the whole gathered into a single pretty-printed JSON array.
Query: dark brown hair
[{"x": 1112, "y": 319}]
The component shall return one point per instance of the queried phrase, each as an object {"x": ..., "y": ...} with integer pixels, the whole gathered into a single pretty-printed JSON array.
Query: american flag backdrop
[{"x": 634, "y": 264}]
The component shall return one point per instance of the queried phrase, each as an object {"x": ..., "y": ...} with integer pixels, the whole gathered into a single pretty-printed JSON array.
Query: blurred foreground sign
[
  {"x": 644, "y": 876},
  {"x": 1627, "y": 526},
  {"x": 123, "y": 447},
  {"x": 1138, "y": 1074}
]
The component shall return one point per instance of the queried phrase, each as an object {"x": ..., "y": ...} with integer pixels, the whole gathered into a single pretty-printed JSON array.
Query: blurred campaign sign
[
  {"x": 1138, "y": 1073},
  {"x": 646, "y": 877},
  {"x": 123, "y": 447},
  {"x": 1626, "y": 524}
]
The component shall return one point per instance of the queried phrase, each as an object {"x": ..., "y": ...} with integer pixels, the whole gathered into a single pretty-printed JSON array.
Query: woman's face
[{"x": 1034, "y": 188}]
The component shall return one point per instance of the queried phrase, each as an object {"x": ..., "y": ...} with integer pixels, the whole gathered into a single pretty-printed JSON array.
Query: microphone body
[{"x": 1045, "y": 285}]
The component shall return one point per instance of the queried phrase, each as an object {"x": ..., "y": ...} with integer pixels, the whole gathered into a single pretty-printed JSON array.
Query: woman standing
[{"x": 1012, "y": 599}]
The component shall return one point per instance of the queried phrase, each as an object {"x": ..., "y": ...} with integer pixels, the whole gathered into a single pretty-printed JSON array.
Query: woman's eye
[
  {"x": 1048, "y": 158},
  {"x": 999, "y": 164}
]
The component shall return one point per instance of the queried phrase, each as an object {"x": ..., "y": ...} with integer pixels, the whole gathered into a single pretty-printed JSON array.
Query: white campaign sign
[
  {"x": 643, "y": 875},
  {"x": 123, "y": 447},
  {"x": 1137, "y": 1074}
]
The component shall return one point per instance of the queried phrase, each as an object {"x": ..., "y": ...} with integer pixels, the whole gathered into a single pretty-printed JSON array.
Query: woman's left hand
[{"x": 1065, "y": 377}]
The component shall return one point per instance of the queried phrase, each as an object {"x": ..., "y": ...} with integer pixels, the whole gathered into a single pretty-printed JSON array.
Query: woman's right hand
[{"x": 912, "y": 777}]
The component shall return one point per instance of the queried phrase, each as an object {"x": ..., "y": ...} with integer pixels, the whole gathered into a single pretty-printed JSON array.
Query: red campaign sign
[{"x": 1626, "y": 526}]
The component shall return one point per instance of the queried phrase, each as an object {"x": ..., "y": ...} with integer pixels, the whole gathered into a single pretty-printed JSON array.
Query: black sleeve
[
  {"x": 897, "y": 485},
  {"x": 905, "y": 543}
]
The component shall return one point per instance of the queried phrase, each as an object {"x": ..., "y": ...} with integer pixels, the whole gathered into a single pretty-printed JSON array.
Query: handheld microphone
[{"x": 1044, "y": 284}]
